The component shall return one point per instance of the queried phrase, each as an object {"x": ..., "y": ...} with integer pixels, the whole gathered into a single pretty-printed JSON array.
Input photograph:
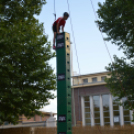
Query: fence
[
  {"x": 16, "y": 131},
  {"x": 75, "y": 130},
  {"x": 104, "y": 130}
]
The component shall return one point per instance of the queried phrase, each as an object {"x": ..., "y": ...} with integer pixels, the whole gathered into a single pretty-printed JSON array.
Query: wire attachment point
[{"x": 54, "y": 15}]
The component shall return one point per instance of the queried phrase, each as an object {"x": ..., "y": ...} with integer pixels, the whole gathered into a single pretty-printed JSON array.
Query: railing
[
  {"x": 26, "y": 124},
  {"x": 75, "y": 130}
]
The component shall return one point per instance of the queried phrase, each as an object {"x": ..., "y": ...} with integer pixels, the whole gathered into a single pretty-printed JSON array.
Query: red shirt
[{"x": 60, "y": 21}]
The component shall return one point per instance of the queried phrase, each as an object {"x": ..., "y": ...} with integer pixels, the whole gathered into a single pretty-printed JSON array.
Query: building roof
[
  {"x": 48, "y": 113},
  {"x": 99, "y": 81},
  {"x": 97, "y": 73}
]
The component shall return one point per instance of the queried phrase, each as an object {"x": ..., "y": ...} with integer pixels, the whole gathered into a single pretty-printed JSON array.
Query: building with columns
[{"x": 93, "y": 104}]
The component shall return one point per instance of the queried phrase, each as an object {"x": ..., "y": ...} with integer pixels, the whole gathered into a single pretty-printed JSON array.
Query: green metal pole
[{"x": 64, "y": 119}]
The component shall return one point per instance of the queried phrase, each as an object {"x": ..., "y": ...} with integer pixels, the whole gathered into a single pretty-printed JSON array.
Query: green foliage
[
  {"x": 117, "y": 21},
  {"x": 121, "y": 81},
  {"x": 26, "y": 78}
]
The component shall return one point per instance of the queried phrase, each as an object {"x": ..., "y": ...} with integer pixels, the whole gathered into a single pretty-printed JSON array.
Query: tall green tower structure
[{"x": 64, "y": 120}]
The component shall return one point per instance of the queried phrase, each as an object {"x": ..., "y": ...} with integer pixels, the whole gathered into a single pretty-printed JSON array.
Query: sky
[{"x": 92, "y": 54}]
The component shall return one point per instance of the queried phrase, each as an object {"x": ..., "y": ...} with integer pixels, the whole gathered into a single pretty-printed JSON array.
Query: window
[
  {"x": 106, "y": 111},
  {"x": 116, "y": 111},
  {"x": 96, "y": 105},
  {"x": 87, "y": 110},
  {"x": 76, "y": 81},
  {"x": 94, "y": 79},
  {"x": 126, "y": 113},
  {"x": 103, "y": 78},
  {"x": 85, "y": 80}
]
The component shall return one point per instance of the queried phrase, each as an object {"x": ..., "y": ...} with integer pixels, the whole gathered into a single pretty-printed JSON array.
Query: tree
[
  {"x": 117, "y": 21},
  {"x": 26, "y": 78}
]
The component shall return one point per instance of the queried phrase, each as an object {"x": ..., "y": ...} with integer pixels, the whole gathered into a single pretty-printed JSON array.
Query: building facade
[
  {"x": 93, "y": 104},
  {"x": 36, "y": 118},
  {"x": 36, "y": 121}
]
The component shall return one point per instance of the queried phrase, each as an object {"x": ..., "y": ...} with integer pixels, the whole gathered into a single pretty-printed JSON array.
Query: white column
[
  {"x": 121, "y": 115},
  {"x": 92, "y": 111},
  {"x": 131, "y": 117},
  {"x": 111, "y": 110},
  {"x": 73, "y": 103},
  {"x": 83, "y": 110},
  {"x": 101, "y": 112}
]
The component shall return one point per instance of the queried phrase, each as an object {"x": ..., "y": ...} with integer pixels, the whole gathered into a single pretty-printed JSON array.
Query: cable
[
  {"x": 107, "y": 48},
  {"x": 54, "y": 10},
  {"x": 76, "y": 48},
  {"x": 73, "y": 35},
  {"x": 101, "y": 32},
  {"x": 54, "y": 7}
]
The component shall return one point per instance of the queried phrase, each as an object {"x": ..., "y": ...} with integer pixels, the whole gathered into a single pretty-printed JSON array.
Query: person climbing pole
[{"x": 61, "y": 21}]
